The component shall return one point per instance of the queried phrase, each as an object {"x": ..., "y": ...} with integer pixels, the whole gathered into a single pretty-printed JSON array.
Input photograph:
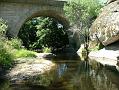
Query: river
[{"x": 71, "y": 73}]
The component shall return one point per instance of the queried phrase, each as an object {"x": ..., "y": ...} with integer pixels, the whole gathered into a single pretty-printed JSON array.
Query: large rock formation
[{"x": 106, "y": 27}]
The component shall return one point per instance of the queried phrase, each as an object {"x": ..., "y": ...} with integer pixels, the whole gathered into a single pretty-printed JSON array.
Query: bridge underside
[{"x": 16, "y": 12}]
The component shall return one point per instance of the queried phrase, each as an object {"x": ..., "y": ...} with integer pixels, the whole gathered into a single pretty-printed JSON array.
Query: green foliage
[
  {"x": 10, "y": 49},
  {"x": 46, "y": 50},
  {"x": 3, "y": 27},
  {"x": 43, "y": 32},
  {"x": 6, "y": 57},
  {"x": 96, "y": 47},
  {"x": 82, "y": 12},
  {"x": 15, "y": 43},
  {"x": 24, "y": 53},
  {"x": 28, "y": 34}
]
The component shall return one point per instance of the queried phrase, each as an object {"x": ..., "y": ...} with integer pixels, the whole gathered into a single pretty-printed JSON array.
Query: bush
[
  {"x": 6, "y": 57},
  {"x": 15, "y": 43},
  {"x": 11, "y": 49}
]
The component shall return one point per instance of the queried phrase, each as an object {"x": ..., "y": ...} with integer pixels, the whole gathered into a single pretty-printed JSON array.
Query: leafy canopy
[
  {"x": 82, "y": 12},
  {"x": 41, "y": 32}
]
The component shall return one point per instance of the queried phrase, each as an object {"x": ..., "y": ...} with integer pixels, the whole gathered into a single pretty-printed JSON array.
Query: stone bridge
[{"x": 17, "y": 12}]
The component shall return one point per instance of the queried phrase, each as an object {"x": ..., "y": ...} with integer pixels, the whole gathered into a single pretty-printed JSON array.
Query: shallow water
[{"x": 73, "y": 74}]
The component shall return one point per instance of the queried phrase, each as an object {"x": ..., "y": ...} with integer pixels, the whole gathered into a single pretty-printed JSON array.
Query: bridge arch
[
  {"x": 17, "y": 12},
  {"x": 49, "y": 13},
  {"x": 59, "y": 18},
  {"x": 43, "y": 13}
]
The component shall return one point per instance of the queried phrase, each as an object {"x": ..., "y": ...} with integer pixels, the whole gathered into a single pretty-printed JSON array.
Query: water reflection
[
  {"x": 61, "y": 69},
  {"x": 74, "y": 75},
  {"x": 85, "y": 75}
]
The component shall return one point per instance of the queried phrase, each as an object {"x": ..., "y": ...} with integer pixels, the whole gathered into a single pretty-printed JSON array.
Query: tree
[
  {"x": 43, "y": 32},
  {"x": 81, "y": 13}
]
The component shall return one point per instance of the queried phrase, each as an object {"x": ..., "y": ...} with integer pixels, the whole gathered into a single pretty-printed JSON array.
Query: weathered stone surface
[
  {"x": 29, "y": 69},
  {"x": 103, "y": 53},
  {"x": 106, "y": 26},
  {"x": 109, "y": 55}
]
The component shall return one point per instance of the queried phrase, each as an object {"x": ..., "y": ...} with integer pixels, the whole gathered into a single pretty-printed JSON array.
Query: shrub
[
  {"x": 6, "y": 57},
  {"x": 15, "y": 43},
  {"x": 11, "y": 49}
]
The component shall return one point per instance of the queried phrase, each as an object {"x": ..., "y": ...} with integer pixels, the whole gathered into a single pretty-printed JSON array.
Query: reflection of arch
[{"x": 50, "y": 13}]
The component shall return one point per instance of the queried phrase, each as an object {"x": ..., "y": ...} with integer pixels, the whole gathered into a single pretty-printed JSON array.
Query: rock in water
[{"x": 106, "y": 27}]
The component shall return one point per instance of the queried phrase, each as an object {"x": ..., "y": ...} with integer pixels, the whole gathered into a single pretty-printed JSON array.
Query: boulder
[{"x": 106, "y": 27}]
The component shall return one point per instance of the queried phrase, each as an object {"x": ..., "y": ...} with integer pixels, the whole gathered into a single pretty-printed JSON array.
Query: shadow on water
[{"x": 71, "y": 73}]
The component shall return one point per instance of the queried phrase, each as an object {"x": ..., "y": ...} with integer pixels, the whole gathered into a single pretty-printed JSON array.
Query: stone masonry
[{"x": 16, "y": 12}]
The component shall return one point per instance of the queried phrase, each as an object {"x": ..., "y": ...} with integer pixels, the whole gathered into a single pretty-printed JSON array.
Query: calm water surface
[{"x": 73, "y": 74}]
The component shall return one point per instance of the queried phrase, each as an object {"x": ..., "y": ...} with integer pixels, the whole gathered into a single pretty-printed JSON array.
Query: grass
[{"x": 24, "y": 53}]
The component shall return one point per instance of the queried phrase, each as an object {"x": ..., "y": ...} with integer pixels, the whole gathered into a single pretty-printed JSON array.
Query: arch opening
[
  {"x": 52, "y": 14},
  {"x": 42, "y": 32}
]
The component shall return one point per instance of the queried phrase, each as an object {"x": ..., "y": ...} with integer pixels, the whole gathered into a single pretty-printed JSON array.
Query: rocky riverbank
[
  {"x": 105, "y": 30},
  {"x": 31, "y": 70},
  {"x": 108, "y": 55},
  {"x": 105, "y": 57}
]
